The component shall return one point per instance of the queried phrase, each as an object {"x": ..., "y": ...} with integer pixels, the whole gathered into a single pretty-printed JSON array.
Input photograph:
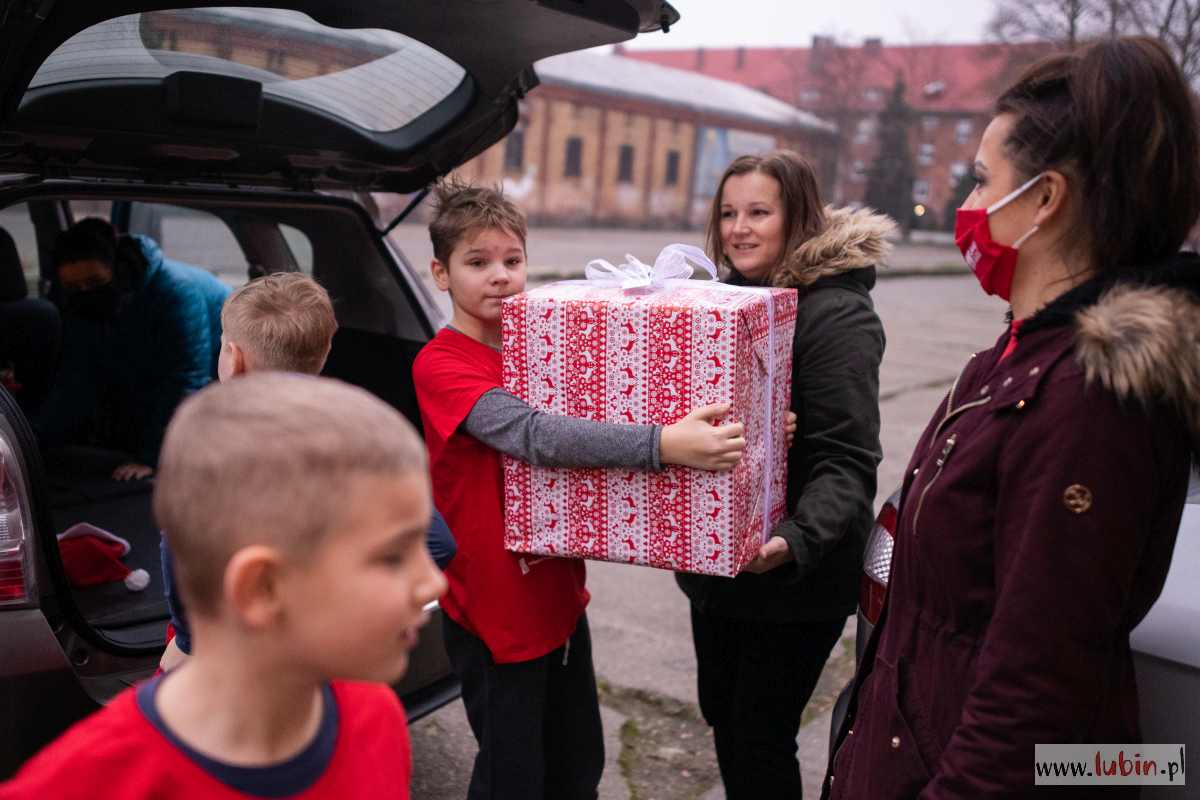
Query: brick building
[
  {"x": 950, "y": 88},
  {"x": 610, "y": 141}
]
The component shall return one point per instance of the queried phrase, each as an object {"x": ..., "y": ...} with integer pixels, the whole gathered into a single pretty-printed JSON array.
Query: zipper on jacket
[
  {"x": 941, "y": 463},
  {"x": 951, "y": 413}
]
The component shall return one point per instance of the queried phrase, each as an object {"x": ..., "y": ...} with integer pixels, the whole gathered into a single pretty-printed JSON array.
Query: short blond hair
[
  {"x": 283, "y": 321},
  {"x": 269, "y": 459},
  {"x": 461, "y": 209}
]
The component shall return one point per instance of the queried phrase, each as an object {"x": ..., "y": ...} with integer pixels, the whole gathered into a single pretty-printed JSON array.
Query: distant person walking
[
  {"x": 1041, "y": 505},
  {"x": 763, "y": 637}
]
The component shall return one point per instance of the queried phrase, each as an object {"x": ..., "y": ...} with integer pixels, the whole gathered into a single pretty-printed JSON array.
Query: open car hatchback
[{"x": 243, "y": 140}]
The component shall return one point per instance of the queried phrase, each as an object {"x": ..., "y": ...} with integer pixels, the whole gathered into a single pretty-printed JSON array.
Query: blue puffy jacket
[{"x": 120, "y": 380}]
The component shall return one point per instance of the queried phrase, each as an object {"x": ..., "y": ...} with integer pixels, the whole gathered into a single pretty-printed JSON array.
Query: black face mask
[{"x": 98, "y": 304}]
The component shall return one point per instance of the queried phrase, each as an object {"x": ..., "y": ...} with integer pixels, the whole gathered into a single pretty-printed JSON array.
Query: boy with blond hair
[
  {"x": 282, "y": 322},
  {"x": 515, "y": 627},
  {"x": 297, "y": 508}
]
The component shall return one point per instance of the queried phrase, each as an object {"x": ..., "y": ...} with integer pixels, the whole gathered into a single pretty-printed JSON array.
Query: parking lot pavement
[
  {"x": 443, "y": 753},
  {"x": 556, "y": 253},
  {"x": 639, "y": 618}
]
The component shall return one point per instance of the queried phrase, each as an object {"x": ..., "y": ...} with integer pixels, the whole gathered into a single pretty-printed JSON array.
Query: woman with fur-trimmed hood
[
  {"x": 763, "y": 637},
  {"x": 1041, "y": 505}
]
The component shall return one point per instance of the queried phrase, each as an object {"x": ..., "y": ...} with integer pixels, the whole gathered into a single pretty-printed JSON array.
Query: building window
[
  {"x": 860, "y": 172},
  {"x": 920, "y": 190},
  {"x": 514, "y": 150},
  {"x": 963, "y": 131},
  {"x": 929, "y": 123},
  {"x": 625, "y": 164},
  {"x": 957, "y": 170},
  {"x": 173, "y": 40},
  {"x": 672, "y": 176},
  {"x": 276, "y": 60},
  {"x": 872, "y": 95},
  {"x": 809, "y": 96},
  {"x": 574, "y": 165},
  {"x": 926, "y": 154},
  {"x": 864, "y": 130}
]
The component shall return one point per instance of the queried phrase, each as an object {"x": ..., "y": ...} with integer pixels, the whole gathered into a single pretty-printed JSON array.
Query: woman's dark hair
[
  {"x": 1117, "y": 118},
  {"x": 803, "y": 212},
  {"x": 87, "y": 240}
]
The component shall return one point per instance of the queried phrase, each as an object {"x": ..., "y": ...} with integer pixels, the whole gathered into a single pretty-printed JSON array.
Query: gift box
[{"x": 639, "y": 344}]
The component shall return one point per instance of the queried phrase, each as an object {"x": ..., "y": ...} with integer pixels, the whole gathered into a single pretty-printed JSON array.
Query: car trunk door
[{"x": 334, "y": 94}]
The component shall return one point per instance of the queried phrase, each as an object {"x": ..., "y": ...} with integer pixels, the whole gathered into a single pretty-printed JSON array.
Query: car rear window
[{"x": 377, "y": 79}]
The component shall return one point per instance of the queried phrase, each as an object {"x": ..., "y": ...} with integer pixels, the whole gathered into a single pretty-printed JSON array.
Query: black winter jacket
[{"x": 836, "y": 353}]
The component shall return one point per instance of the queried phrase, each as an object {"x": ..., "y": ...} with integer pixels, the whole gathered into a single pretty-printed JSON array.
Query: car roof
[{"x": 320, "y": 94}]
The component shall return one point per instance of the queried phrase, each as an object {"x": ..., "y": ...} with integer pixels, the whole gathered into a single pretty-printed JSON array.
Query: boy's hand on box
[
  {"x": 771, "y": 555},
  {"x": 789, "y": 427},
  {"x": 695, "y": 442}
]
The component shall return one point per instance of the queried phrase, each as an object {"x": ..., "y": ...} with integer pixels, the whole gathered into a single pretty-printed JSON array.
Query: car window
[
  {"x": 378, "y": 79},
  {"x": 16, "y": 220},
  {"x": 189, "y": 235},
  {"x": 301, "y": 247},
  {"x": 1194, "y": 486}
]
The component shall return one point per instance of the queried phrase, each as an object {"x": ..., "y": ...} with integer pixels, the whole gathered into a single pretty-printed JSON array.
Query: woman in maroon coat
[{"x": 1041, "y": 505}]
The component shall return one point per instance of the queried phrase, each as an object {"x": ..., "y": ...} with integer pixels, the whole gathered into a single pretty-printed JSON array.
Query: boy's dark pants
[
  {"x": 754, "y": 679},
  {"x": 537, "y": 722}
]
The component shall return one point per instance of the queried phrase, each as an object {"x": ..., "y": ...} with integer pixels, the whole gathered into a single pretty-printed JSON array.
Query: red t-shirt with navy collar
[
  {"x": 522, "y": 608},
  {"x": 124, "y": 752}
]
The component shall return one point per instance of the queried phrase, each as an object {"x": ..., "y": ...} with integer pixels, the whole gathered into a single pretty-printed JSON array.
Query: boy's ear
[
  {"x": 441, "y": 274},
  {"x": 252, "y": 586},
  {"x": 325, "y": 358},
  {"x": 237, "y": 359}
]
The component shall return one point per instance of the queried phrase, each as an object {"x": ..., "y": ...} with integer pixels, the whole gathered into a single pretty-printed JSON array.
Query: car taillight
[
  {"x": 877, "y": 563},
  {"x": 16, "y": 562}
]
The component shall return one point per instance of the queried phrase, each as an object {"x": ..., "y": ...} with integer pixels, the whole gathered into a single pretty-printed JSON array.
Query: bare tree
[
  {"x": 1066, "y": 21},
  {"x": 1176, "y": 22},
  {"x": 1069, "y": 23},
  {"x": 829, "y": 80}
]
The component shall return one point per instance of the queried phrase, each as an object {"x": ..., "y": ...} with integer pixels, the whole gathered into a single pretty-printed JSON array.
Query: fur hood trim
[
  {"x": 852, "y": 239},
  {"x": 1142, "y": 342}
]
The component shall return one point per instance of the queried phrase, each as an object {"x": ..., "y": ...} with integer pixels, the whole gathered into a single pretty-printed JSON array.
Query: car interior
[{"x": 235, "y": 237}]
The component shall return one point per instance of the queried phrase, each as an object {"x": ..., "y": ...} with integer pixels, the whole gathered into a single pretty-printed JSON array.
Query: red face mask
[{"x": 994, "y": 264}]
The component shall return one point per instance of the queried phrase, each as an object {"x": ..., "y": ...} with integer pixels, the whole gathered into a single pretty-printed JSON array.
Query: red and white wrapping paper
[{"x": 651, "y": 353}]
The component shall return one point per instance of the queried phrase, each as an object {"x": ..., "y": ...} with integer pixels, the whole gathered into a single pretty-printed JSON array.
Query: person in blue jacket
[{"x": 140, "y": 333}]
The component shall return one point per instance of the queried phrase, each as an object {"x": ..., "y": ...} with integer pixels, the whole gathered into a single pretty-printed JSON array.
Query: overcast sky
[{"x": 767, "y": 23}]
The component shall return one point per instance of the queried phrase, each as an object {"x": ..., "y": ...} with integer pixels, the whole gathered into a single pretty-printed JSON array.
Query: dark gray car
[{"x": 246, "y": 141}]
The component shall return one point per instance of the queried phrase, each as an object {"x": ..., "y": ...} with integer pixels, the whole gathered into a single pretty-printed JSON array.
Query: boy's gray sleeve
[{"x": 506, "y": 423}]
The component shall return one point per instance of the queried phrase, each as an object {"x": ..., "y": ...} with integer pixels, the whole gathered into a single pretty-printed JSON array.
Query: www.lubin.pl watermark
[{"x": 1109, "y": 765}]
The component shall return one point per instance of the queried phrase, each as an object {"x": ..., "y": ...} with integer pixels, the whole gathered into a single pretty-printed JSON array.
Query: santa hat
[{"x": 92, "y": 556}]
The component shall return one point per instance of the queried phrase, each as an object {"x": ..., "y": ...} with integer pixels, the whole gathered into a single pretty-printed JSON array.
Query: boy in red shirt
[
  {"x": 296, "y": 509},
  {"x": 514, "y": 626}
]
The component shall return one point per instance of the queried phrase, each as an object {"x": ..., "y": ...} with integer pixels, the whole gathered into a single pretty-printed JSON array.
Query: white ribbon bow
[
  {"x": 671, "y": 264},
  {"x": 674, "y": 267}
]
